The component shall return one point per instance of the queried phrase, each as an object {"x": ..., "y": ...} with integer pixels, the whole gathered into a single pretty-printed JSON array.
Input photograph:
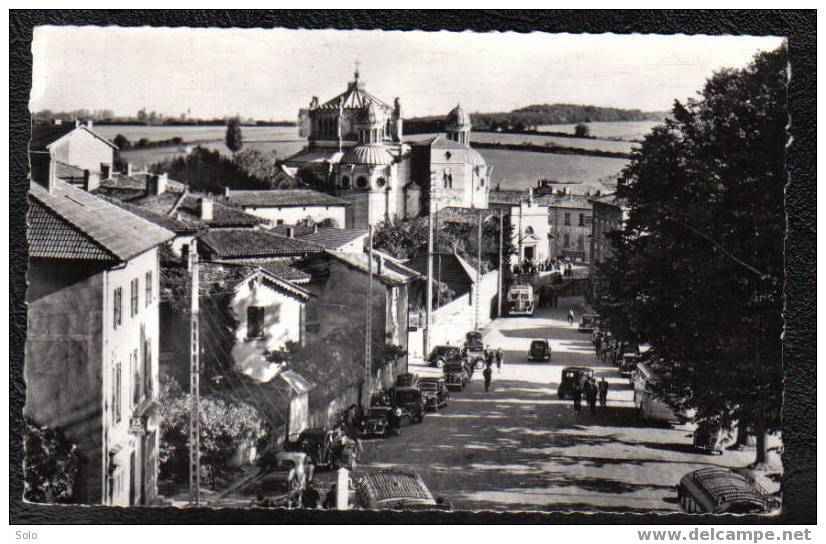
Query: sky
[{"x": 271, "y": 73}]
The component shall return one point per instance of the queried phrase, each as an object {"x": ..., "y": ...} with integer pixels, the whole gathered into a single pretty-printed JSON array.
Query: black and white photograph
[{"x": 363, "y": 270}]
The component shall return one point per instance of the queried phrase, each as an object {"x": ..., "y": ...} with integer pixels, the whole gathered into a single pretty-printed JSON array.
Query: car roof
[
  {"x": 540, "y": 340},
  {"x": 724, "y": 485},
  {"x": 578, "y": 368},
  {"x": 431, "y": 379}
]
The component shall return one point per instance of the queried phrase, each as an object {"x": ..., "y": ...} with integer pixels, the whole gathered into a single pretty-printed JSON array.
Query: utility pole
[
  {"x": 368, "y": 328},
  {"x": 429, "y": 295},
  {"x": 478, "y": 267},
  {"x": 501, "y": 267},
  {"x": 194, "y": 389}
]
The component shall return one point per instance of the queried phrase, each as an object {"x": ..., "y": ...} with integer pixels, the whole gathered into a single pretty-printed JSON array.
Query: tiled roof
[
  {"x": 317, "y": 155},
  {"x": 45, "y": 134},
  {"x": 328, "y": 237},
  {"x": 68, "y": 172},
  {"x": 232, "y": 275},
  {"x": 283, "y": 198},
  {"x": 611, "y": 200},
  {"x": 178, "y": 226},
  {"x": 114, "y": 232},
  {"x": 465, "y": 153},
  {"x": 137, "y": 183},
  {"x": 507, "y": 197},
  {"x": 564, "y": 201},
  {"x": 392, "y": 273},
  {"x": 280, "y": 267},
  {"x": 222, "y": 216},
  {"x": 447, "y": 267},
  {"x": 246, "y": 243}
]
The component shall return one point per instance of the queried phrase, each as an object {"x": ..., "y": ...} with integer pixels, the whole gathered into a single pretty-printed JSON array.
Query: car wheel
[{"x": 439, "y": 363}]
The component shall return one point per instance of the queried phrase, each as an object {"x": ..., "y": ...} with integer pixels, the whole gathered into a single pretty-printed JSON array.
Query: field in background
[
  {"x": 624, "y": 130},
  {"x": 512, "y": 169}
]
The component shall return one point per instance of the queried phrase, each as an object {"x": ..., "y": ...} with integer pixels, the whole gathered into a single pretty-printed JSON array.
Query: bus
[
  {"x": 521, "y": 300},
  {"x": 651, "y": 408}
]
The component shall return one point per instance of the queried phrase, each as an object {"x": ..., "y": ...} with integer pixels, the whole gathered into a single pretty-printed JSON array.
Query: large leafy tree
[
  {"x": 233, "y": 138},
  {"x": 51, "y": 465},
  {"x": 697, "y": 271}
]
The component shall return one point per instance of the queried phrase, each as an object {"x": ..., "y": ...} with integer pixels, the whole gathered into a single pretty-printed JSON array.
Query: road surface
[{"x": 519, "y": 448}]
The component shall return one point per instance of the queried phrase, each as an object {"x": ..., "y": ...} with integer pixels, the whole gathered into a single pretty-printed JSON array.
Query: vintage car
[
  {"x": 627, "y": 359},
  {"x": 281, "y": 487},
  {"x": 411, "y": 403},
  {"x": 382, "y": 421},
  {"x": 298, "y": 460},
  {"x": 456, "y": 376},
  {"x": 407, "y": 379},
  {"x": 395, "y": 489},
  {"x": 317, "y": 443},
  {"x": 572, "y": 376},
  {"x": 435, "y": 392},
  {"x": 587, "y": 323},
  {"x": 443, "y": 354},
  {"x": 540, "y": 350},
  {"x": 474, "y": 349},
  {"x": 719, "y": 490}
]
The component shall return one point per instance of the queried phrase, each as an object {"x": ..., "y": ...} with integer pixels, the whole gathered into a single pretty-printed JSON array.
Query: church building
[{"x": 355, "y": 150}]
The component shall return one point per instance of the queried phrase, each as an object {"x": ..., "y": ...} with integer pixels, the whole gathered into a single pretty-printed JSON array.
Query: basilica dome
[
  {"x": 457, "y": 118},
  {"x": 372, "y": 155}
]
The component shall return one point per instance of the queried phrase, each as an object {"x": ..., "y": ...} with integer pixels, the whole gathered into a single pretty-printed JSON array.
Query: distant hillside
[{"x": 533, "y": 116}]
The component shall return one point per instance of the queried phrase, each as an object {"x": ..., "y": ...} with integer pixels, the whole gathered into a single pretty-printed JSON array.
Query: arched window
[
  {"x": 448, "y": 155},
  {"x": 481, "y": 182},
  {"x": 447, "y": 178},
  {"x": 361, "y": 182},
  {"x": 345, "y": 182},
  {"x": 528, "y": 230}
]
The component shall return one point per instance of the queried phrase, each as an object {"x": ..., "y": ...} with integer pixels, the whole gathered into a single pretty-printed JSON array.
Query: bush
[{"x": 51, "y": 465}]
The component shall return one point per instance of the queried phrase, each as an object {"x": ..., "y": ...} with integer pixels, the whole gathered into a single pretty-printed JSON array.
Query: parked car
[
  {"x": 456, "y": 376},
  {"x": 719, "y": 490},
  {"x": 411, "y": 403},
  {"x": 317, "y": 443},
  {"x": 443, "y": 354},
  {"x": 628, "y": 358},
  {"x": 279, "y": 488},
  {"x": 407, "y": 380},
  {"x": 474, "y": 349},
  {"x": 572, "y": 376},
  {"x": 382, "y": 421},
  {"x": 540, "y": 350},
  {"x": 435, "y": 392},
  {"x": 395, "y": 490},
  {"x": 587, "y": 323}
]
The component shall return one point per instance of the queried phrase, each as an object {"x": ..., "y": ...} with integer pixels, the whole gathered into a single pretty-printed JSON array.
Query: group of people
[
  {"x": 492, "y": 357},
  {"x": 562, "y": 266},
  {"x": 592, "y": 390}
]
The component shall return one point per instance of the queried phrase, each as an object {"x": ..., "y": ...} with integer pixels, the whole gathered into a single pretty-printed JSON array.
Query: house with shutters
[{"x": 92, "y": 341}]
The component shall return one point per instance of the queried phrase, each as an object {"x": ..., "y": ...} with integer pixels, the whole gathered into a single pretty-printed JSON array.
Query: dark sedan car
[
  {"x": 435, "y": 392},
  {"x": 540, "y": 350},
  {"x": 456, "y": 375},
  {"x": 572, "y": 376},
  {"x": 382, "y": 421},
  {"x": 443, "y": 354},
  {"x": 411, "y": 403}
]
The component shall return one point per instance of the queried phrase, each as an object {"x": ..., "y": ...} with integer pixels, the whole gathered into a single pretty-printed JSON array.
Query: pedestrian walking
[
  {"x": 603, "y": 392},
  {"x": 487, "y": 373},
  {"x": 577, "y": 396},
  {"x": 591, "y": 394},
  {"x": 571, "y": 318},
  {"x": 500, "y": 358},
  {"x": 310, "y": 497}
]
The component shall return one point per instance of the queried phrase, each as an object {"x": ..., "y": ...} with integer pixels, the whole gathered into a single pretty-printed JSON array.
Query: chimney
[
  {"x": 91, "y": 181},
  {"x": 89, "y": 123},
  {"x": 77, "y": 123},
  {"x": 128, "y": 171},
  {"x": 105, "y": 170},
  {"x": 530, "y": 196},
  {"x": 205, "y": 206},
  {"x": 290, "y": 232},
  {"x": 156, "y": 184},
  {"x": 226, "y": 192},
  {"x": 58, "y": 122},
  {"x": 315, "y": 228}
]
